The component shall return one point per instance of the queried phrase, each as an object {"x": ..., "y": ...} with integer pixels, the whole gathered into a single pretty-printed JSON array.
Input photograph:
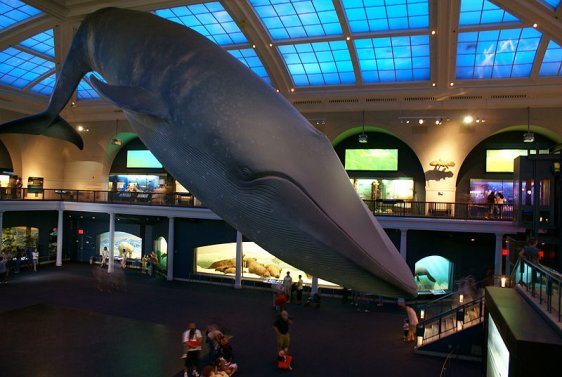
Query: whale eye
[{"x": 247, "y": 172}]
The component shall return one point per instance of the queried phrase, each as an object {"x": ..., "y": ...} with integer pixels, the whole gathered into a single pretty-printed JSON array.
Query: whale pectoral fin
[
  {"x": 44, "y": 124},
  {"x": 134, "y": 99}
]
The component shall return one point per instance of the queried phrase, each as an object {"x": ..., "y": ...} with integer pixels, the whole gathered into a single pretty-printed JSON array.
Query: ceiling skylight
[
  {"x": 392, "y": 59},
  {"x": 321, "y": 63},
  {"x": 45, "y": 86},
  {"x": 481, "y": 12},
  {"x": 290, "y": 19},
  {"x": 251, "y": 60},
  {"x": 42, "y": 43},
  {"x": 553, "y": 4},
  {"x": 15, "y": 11},
  {"x": 384, "y": 15},
  {"x": 85, "y": 91},
  {"x": 495, "y": 54},
  {"x": 552, "y": 61},
  {"x": 208, "y": 19},
  {"x": 18, "y": 68}
]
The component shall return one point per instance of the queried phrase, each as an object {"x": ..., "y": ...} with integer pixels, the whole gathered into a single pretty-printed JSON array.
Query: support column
[
  {"x": 403, "y": 242},
  {"x": 239, "y": 260},
  {"x": 111, "y": 262},
  {"x": 314, "y": 286},
  {"x": 1, "y": 227},
  {"x": 60, "y": 231},
  {"x": 498, "y": 255},
  {"x": 171, "y": 248}
]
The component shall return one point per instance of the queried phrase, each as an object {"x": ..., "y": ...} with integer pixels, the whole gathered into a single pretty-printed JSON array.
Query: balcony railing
[{"x": 463, "y": 211}]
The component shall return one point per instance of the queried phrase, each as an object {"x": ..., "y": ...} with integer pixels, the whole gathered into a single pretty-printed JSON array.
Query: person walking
[
  {"x": 287, "y": 284},
  {"x": 191, "y": 339},
  {"x": 35, "y": 258},
  {"x": 281, "y": 327},
  {"x": 300, "y": 288},
  {"x": 104, "y": 256}
]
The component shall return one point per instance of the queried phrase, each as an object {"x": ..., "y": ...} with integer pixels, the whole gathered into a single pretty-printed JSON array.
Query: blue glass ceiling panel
[
  {"x": 289, "y": 19},
  {"x": 321, "y": 63},
  {"x": 496, "y": 54},
  {"x": 14, "y": 11},
  {"x": 249, "y": 58},
  {"x": 18, "y": 69},
  {"x": 43, "y": 43},
  {"x": 391, "y": 59},
  {"x": 208, "y": 19},
  {"x": 552, "y": 61},
  {"x": 553, "y": 4},
  {"x": 46, "y": 85},
  {"x": 85, "y": 90},
  {"x": 481, "y": 12},
  {"x": 383, "y": 15}
]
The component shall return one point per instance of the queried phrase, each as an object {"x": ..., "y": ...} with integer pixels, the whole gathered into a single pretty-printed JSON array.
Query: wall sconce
[
  {"x": 422, "y": 314},
  {"x": 461, "y": 299},
  {"x": 503, "y": 281}
]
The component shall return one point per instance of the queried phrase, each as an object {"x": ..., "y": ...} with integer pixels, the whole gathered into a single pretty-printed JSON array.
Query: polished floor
[{"x": 56, "y": 323}]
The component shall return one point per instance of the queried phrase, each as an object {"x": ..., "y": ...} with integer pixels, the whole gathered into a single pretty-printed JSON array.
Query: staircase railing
[
  {"x": 542, "y": 283},
  {"x": 450, "y": 322}
]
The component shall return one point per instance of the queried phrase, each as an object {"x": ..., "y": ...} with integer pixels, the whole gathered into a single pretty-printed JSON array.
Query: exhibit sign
[
  {"x": 497, "y": 354},
  {"x": 371, "y": 159},
  {"x": 34, "y": 185},
  {"x": 121, "y": 241},
  {"x": 142, "y": 159},
  {"x": 258, "y": 264},
  {"x": 433, "y": 275}
]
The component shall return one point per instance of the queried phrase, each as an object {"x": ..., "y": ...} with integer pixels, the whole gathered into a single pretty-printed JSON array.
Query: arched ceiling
[{"x": 323, "y": 55}]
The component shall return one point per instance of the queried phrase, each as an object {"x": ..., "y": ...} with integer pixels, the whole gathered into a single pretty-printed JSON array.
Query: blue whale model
[{"x": 239, "y": 146}]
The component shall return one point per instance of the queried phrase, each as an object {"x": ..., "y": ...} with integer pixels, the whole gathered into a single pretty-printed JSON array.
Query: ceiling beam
[
  {"x": 51, "y": 7},
  {"x": 531, "y": 12}
]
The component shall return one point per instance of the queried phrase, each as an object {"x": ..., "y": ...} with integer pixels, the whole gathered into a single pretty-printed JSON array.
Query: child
[
  {"x": 406, "y": 328},
  {"x": 284, "y": 360}
]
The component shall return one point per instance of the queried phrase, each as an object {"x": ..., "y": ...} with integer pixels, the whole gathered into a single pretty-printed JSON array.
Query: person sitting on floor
[{"x": 284, "y": 360}]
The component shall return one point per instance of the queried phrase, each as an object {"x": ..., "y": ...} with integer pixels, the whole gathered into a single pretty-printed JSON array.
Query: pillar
[
  {"x": 314, "y": 287},
  {"x": 403, "y": 242},
  {"x": 111, "y": 262},
  {"x": 60, "y": 228},
  {"x": 239, "y": 260},
  {"x": 1, "y": 227},
  {"x": 171, "y": 248},
  {"x": 498, "y": 255}
]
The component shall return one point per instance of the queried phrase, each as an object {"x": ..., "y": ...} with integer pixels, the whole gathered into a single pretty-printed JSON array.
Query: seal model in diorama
[{"x": 233, "y": 141}]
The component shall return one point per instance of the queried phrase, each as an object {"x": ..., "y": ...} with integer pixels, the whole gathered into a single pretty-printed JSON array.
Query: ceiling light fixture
[
  {"x": 363, "y": 138},
  {"x": 468, "y": 119},
  {"x": 528, "y": 137},
  {"x": 116, "y": 140},
  {"x": 420, "y": 121}
]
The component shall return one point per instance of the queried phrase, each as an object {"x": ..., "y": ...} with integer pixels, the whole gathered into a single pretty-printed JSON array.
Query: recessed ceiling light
[
  {"x": 271, "y": 45},
  {"x": 348, "y": 38},
  {"x": 253, "y": 46},
  {"x": 292, "y": 90},
  {"x": 80, "y": 128},
  {"x": 468, "y": 119},
  {"x": 451, "y": 84},
  {"x": 433, "y": 84},
  {"x": 433, "y": 32},
  {"x": 535, "y": 25},
  {"x": 420, "y": 121}
]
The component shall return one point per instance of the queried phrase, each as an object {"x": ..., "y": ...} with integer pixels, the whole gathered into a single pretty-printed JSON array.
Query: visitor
[
  {"x": 124, "y": 260},
  {"x": 18, "y": 188},
  {"x": 191, "y": 339},
  {"x": 280, "y": 302},
  {"x": 104, "y": 256},
  {"x": 213, "y": 335},
  {"x": 3, "y": 269},
  {"x": 35, "y": 258},
  {"x": 412, "y": 322},
  {"x": 500, "y": 202},
  {"x": 300, "y": 288},
  {"x": 530, "y": 251},
  {"x": 491, "y": 200},
  {"x": 406, "y": 329},
  {"x": 287, "y": 284},
  {"x": 225, "y": 351},
  {"x": 281, "y": 327},
  {"x": 226, "y": 367},
  {"x": 284, "y": 360}
]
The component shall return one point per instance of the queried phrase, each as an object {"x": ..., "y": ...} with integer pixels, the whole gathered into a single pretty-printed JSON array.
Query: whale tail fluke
[{"x": 44, "y": 124}]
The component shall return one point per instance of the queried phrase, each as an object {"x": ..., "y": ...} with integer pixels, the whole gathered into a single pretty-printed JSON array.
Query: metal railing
[
  {"x": 542, "y": 283},
  {"x": 462, "y": 211},
  {"x": 450, "y": 322}
]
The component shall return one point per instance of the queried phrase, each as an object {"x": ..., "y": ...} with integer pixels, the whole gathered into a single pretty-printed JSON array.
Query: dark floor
[{"x": 55, "y": 323}]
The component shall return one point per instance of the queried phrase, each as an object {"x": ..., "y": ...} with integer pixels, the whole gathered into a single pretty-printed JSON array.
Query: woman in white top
[
  {"x": 35, "y": 257},
  {"x": 192, "y": 339}
]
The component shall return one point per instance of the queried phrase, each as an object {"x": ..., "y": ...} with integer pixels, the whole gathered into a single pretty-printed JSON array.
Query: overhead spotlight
[
  {"x": 292, "y": 90},
  {"x": 420, "y": 121},
  {"x": 347, "y": 38},
  {"x": 451, "y": 84},
  {"x": 437, "y": 122},
  {"x": 468, "y": 119},
  {"x": 116, "y": 141},
  {"x": 433, "y": 32},
  {"x": 253, "y": 46},
  {"x": 477, "y": 120},
  {"x": 80, "y": 128},
  {"x": 433, "y": 84},
  {"x": 535, "y": 25},
  {"x": 271, "y": 45},
  {"x": 362, "y": 138},
  {"x": 528, "y": 137},
  {"x": 407, "y": 122}
]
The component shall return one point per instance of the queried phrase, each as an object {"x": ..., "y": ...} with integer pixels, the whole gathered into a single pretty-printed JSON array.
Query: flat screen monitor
[
  {"x": 497, "y": 363},
  {"x": 142, "y": 159},
  {"x": 371, "y": 159}
]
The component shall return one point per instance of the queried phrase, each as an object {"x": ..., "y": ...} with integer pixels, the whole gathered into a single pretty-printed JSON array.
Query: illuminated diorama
[
  {"x": 433, "y": 275},
  {"x": 19, "y": 238},
  {"x": 378, "y": 188},
  {"x": 121, "y": 241},
  {"x": 258, "y": 264}
]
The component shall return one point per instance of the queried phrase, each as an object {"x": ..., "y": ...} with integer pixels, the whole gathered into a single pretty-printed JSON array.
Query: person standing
[
  {"x": 18, "y": 188},
  {"x": 412, "y": 322},
  {"x": 300, "y": 288},
  {"x": 191, "y": 339},
  {"x": 35, "y": 257},
  {"x": 3, "y": 269},
  {"x": 281, "y": 327},
  {"x": 104, "y": 256},
  {"x": 287, "y": 284}
]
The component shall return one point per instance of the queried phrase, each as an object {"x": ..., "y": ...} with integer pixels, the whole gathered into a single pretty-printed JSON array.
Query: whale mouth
[{"x": 374, "y": 263}]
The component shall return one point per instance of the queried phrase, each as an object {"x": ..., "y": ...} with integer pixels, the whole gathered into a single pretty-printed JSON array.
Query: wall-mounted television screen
[
  {"x": 371, "y": 159},
  {"x": 497, "y": 354},
  {"x": 142, "y": 159},
  {"x": 501, "y": 160}
]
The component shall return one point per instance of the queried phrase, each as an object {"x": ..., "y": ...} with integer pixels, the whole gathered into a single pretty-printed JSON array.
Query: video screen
[
  {"x": 258, "y": 264},
  {"x": 122, "y": 241},
  {"x": 371, "y": 159},
  {"x": 373, "y": 189},
  {"x": 433, "y": 275},
  {"x": 142, "y": 159},
  {"x": 497, "y": 354},
  {"x": 501, "y": 160}
]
